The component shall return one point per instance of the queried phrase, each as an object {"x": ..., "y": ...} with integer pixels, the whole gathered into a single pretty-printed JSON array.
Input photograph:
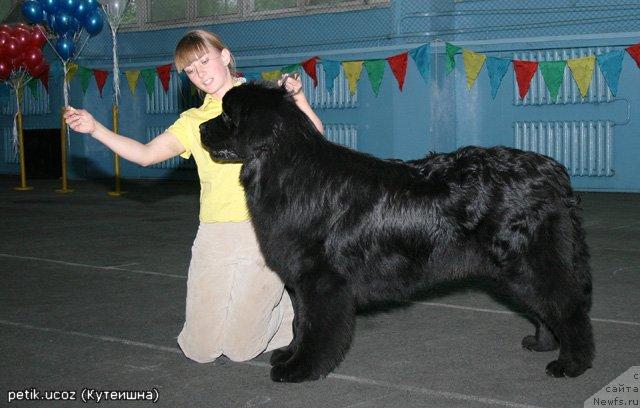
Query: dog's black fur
[{"x": 343, "y": 229}]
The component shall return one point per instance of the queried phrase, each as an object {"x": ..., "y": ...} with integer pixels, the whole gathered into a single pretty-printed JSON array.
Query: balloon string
[{"x": 116, "y": 71}]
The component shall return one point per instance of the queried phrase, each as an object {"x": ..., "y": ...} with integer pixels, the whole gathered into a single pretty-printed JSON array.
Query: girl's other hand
[{"x": 79, "y": 120}]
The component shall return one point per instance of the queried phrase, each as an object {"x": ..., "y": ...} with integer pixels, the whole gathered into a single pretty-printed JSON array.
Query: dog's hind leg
[
  {"x": 576, "y": 345},
  {"x": 325, "y": 316},
  {"x": 543, "y": 340}
]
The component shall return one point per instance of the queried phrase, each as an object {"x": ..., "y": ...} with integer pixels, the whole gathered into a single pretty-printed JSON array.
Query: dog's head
[{"x": 251, "y": 122}]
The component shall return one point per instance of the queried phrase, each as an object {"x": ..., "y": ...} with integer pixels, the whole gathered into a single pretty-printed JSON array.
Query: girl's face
[{"x": 209, "y": 72}]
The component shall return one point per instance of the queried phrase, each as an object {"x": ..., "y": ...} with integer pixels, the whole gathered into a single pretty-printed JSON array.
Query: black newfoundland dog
[{"x": 344, "y": 229}]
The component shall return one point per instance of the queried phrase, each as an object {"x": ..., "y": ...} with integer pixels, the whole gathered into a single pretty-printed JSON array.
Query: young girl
[{"x": 235, "y": 305}]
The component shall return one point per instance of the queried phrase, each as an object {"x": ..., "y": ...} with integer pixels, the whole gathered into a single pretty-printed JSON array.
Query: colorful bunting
[
  {"x": 634, "y": 52},
  {"x": 553, "y": 74},
  {"x": 452, "y": 50},
  {"x": 398, "y": 64},
  {"x": 164, "y": 73},
  {"x": 525, "y": 70},
  {"x": 331, "y": 72},
  {"x": 582, "y": 70},
  {"x": 149, "y": 78},
  {"x": 611, "y": 66},
  {"x": 473, "y": 63},
  {"x": 272, "y": 76},
  {"x": 375, "y": 70},
  {"x": 72, "y": 68},
  {"x": 352, "y": 69},
  {"x": 84, "y": 74},
  {"x": 290, "y": 68},
  {"x": 309, "y": 67},
  {"x": 132, "y": 79},
  {"x": 496, "y": 68},
  {"x": 101, "y": 79},
  {"x": 421, "y": 57}
]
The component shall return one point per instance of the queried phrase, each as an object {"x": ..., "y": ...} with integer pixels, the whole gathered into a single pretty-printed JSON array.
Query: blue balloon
[
  {"x": 64, "y": 47},
  {"x": 50, "y": 6},
  {"x": 68, "y": 5},
  {"x": 51, "y": 19},
  {"x": 81, "y": 10},
  {"x": 64, "y": 23},
  {"x": 93, "y": 22},
  {"x": 33, "y": 11},
  {"x": 91, "y": 4}
]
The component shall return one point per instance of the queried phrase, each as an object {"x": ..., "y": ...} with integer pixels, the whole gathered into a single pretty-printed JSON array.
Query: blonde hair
[{"x": 194, "y": 43}]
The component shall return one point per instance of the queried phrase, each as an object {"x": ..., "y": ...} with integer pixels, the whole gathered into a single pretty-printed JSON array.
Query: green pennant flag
[
  {"x": 290, "y": 68},
  {"x": 149, "y": 77},
  {"x": 451, "y": 62},
  {"x": 85, "y": 75},
  {"x": 33, "y": 87},
  {"x": 375, "y": 71},
  {"x": 553, "y": 74}
]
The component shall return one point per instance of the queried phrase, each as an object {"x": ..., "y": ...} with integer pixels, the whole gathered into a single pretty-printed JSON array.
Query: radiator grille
[
  {"x": 320, "y": 98},
  {"x": 569, "y": 91},
  {"x": 342, "y": 133},
  {"x": 585, "y": 148},
  {"x": 10, "y": 151},
  {"x": 33, "y": 103}
]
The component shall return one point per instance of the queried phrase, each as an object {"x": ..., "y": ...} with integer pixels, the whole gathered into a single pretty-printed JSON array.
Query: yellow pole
[
  {"x": 23, "y": 174},
  {"x": 116, "y": 159},
  {"x": 63, "y": 149}
]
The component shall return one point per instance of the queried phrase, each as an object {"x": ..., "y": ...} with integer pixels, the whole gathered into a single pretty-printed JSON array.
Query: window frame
[{"x": 244, "y": 13}]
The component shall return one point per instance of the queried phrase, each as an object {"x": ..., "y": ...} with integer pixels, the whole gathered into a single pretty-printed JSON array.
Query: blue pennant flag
[
  {"x": 496, "y": 67},
  {"x": 611, "y": 65},
  {"x": 421, "y": 56},
  {"x": 331, "y": 71}
]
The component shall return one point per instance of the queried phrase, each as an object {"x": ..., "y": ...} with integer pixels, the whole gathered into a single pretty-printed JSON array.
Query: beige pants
[{"x": 235, "y": 305}]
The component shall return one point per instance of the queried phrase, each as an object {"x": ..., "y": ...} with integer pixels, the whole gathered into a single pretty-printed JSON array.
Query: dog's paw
[
  {"x": 280, "y": 356},
  {"x": 559, "y": 369},
  {"x": 533, "y": 344},
  {"x": 292, "y": 373}
]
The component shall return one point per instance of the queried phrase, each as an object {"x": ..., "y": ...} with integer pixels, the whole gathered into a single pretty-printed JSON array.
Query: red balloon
[
  {"x": 33, "y": 57},
  {"x": 6, "y": 29},
  {"x": 23, "y": 37},
  {"x": 38, "y": 38},
  {"x": 5, "y": 70},
  {"x": 11, "y": 48},
  {"x": 38, "y": 70}
]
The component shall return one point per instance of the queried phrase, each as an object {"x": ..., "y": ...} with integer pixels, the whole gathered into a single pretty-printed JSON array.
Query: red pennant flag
[
  {"x": 101, "y": 78},
  {"x": 398, "y": 64},
  {"x": 525, "y": 70},
  {"x": 634, "y": 51},
  {"x": 44, "y": 78},
  {"x": 164, "y": 73},
  {"x": 309, "y": 67}
]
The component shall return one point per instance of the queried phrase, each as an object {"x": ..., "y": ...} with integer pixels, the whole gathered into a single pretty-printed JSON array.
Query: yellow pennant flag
[
  {"x": 582, "y": 71},
  {"x": 132, "y": 79},
  {"x": 72, "y": 68},
  {"x": 273, "y": 76},
  {"x": 352, "y": 69},
  {"x": 473, "y": 62}
]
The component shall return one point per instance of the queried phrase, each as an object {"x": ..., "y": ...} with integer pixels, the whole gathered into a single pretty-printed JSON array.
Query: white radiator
[
  {"x": 342, "y": 133},
  {"x": 585, "y": 148}
]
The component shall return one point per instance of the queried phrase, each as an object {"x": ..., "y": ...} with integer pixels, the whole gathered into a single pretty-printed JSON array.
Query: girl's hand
[
  {"x": 292, "y": 83},
  {"x": 79, "y": 120}
]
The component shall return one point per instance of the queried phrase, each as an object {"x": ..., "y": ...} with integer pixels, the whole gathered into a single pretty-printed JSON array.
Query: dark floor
[{"x": 92, "y": 296}]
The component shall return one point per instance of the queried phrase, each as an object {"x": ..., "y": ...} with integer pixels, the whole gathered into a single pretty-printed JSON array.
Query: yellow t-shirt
[{"x": 221, "y": 194}]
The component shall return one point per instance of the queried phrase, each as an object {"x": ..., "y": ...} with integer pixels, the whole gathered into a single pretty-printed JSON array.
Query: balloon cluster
[
  {"x": 66, "y": 19},
  {"x": 21, "y": 50}
]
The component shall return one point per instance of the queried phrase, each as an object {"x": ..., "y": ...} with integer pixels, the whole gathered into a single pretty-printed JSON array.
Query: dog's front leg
[{"x": 325, "y": 319}]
